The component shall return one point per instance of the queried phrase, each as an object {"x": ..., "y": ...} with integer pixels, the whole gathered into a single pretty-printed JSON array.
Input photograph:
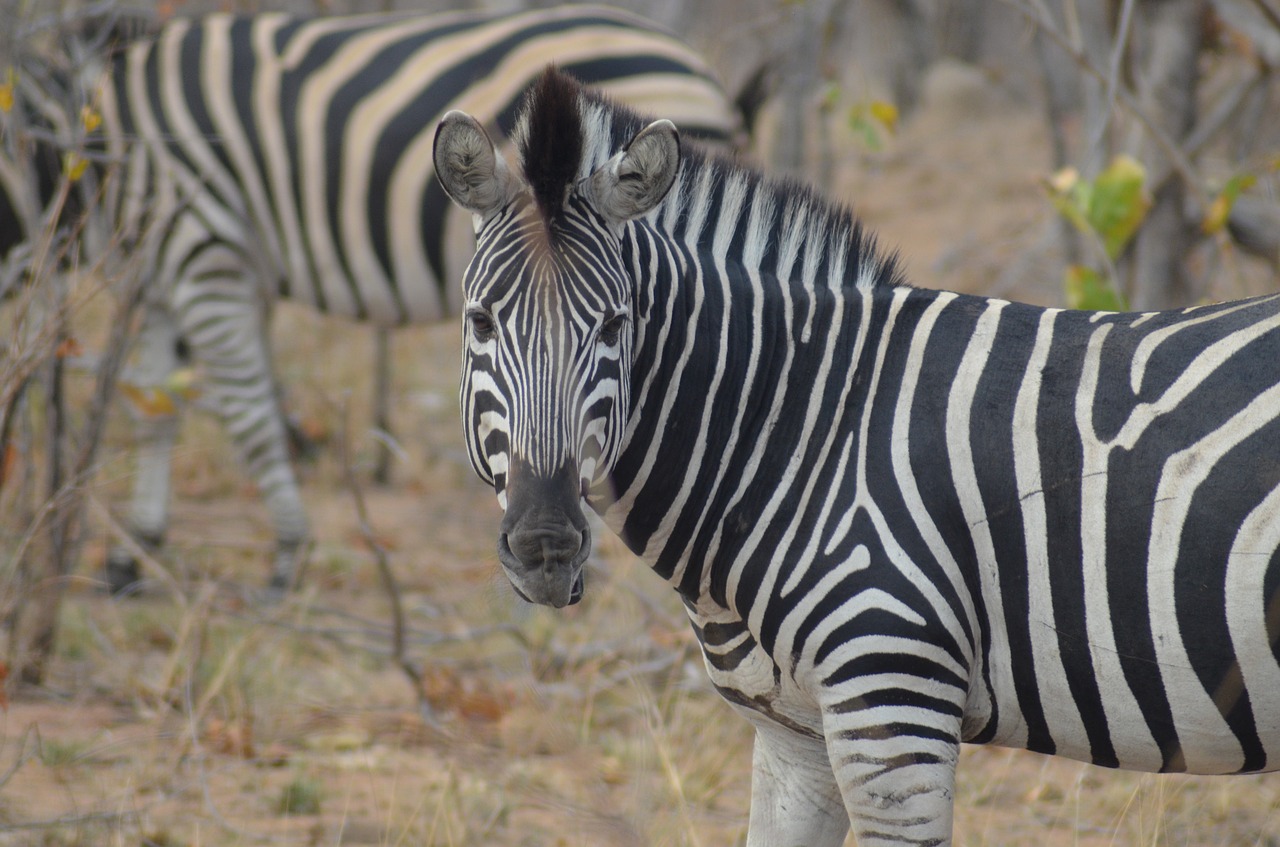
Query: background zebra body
[
  {"x": 899, "y": 518},
  {"x": 273, "y": 156}
]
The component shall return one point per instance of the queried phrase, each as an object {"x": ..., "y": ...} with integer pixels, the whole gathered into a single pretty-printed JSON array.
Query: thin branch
[
  {"x": 126, "y": 540},
  {"x": 1112, "y": 81},
  {"x": 1177, "y": 159},
  {"x": 72, "y": 821},
  {"x": 199, "y": 757},
  {"x": 24, "y": 755},
  {"x": 1223, "y": 111},
  {"x": 389, "y": 584},
  {"x": 1268, "y": 13}
]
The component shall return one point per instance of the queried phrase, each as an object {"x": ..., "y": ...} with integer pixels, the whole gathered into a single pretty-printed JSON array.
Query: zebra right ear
[
  {"x": 471, "y": 170},
  {"x": 634, "y": 181}
]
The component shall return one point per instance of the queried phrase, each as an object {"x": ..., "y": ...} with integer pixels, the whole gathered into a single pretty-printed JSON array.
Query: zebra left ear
[
  {"x": 635, "y": 180},
  {"x": 471, "y": 170}
]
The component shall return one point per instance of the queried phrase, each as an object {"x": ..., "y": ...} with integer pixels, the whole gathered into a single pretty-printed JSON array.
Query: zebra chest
[{"x": 748, "y": 677}]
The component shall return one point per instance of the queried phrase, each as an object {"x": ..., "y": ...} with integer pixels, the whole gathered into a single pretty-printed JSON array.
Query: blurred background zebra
[{"x": 249, "y": 158}]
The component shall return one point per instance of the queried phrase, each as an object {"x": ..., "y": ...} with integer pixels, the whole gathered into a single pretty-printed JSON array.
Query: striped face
[
  {"x": 545, "y": 384},
  {"x": 548, "y": 340},
  {"x": 548, "y": 328}
]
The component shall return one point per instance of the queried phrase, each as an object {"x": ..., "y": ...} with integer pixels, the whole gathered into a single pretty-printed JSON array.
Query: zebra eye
[
  {"x": 611, "y": 330},
  {"x": 482, "y": 325}
]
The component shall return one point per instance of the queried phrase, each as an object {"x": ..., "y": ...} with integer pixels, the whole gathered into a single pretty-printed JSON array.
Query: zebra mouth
[
  {"x": 549, "y": 582},
  {"x": 575, "y": 591}
]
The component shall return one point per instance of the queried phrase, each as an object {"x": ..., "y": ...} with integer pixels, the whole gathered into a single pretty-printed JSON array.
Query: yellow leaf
[
  {"x": 90, "y": 117},
  {"x": 150, "y": 402},
  {"x": 74, "y": 165},
  {"x": 886, "y": 113},
  {"x": 6, "y": 91},
  {"x": 1220, "y": 209},
  {"x": 1216, "y": 217}
]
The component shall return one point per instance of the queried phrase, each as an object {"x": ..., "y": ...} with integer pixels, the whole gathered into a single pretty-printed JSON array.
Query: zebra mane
[
  {"x": 565, "y": 131},
  {"x": 549, "y": 136}
]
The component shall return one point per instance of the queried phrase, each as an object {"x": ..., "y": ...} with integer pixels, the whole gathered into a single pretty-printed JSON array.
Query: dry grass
[{"x": 202, "y": 718}]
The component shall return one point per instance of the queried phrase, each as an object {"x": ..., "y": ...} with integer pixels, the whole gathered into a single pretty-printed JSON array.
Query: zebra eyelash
[
  {"x": 482, "y": 324},
  {"x": 612, "y": 327}
]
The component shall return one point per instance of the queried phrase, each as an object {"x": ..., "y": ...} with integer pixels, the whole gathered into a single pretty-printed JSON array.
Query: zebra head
[{"x": 548, "y": 319}]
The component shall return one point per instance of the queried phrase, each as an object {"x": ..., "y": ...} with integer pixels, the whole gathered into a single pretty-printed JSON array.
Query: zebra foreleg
[
  {"x": 222, "y": 320},
  {"x": 795, "y": 801},
  {"x": 898, "y": 787},
  {"x": 155, "y": 431}
]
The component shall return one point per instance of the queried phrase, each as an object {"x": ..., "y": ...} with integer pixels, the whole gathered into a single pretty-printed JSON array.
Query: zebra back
[{"x": 307, "y": 141}]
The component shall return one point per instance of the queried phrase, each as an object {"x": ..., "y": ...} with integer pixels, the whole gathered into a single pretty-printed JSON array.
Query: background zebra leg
[
  {"x": 155, "y": 431},
  {"x": 223, "y": 322},
  {"x": 794, "y": 797}
]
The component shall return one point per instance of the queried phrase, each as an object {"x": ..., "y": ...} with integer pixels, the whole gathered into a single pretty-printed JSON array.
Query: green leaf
[
  {"x": 1119, "y": 203},
  {"x": 1112, "y": 206},
  {"x": 1086, "y": 289},
  {"x": 866, "y": 131}
]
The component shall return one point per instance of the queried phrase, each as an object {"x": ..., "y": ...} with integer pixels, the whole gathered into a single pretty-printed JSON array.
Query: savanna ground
[{"x": 196, "y": 716}]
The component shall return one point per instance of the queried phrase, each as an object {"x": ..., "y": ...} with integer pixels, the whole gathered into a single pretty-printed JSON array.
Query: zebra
[
  {"x": 899, "y": 519},
  {"x": 269, "y": 156}
]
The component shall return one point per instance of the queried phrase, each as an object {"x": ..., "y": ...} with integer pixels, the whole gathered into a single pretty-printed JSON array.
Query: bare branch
[
  {"x": 1173, "y": 152},
  {"x": 387, "y": 578}
]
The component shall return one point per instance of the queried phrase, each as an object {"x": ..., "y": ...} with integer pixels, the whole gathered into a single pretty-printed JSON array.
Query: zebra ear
[
  {"x": 635, "y": 180},
  {"x": 471, "y": 170}
]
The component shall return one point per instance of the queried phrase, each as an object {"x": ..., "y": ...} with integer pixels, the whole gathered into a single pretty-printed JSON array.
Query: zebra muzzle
[
  {"x": 545, "y": 564},
  {"x": 545, "y": 538}
]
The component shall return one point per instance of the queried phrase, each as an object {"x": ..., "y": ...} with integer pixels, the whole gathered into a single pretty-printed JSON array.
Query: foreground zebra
[
  {"x": 899, "y": 519},
  {"x": 272, "y": 156}
]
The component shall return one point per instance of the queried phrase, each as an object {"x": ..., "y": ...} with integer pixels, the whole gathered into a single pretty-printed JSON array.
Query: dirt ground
[{"x": 196, "y": 716}]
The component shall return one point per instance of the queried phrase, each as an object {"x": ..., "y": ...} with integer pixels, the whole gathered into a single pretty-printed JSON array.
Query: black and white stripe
[
  {"x": 268, "y": 156},
  {"x": 900, "y": 519}
]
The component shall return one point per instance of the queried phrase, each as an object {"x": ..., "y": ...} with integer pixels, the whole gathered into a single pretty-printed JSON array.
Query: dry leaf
[
  {"x": 7, "y": 463},
  {"x": 68, "y": 348},
  {"x": 230, "y": 738}
]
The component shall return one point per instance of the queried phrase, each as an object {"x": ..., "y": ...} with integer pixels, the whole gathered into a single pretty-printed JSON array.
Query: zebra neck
[{"x": 736, "y": 370}]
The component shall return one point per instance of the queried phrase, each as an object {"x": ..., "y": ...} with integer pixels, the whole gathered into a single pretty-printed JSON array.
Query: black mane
[
  {"x": 551, "y": 145},
  {"x": 566, "y": 131}
]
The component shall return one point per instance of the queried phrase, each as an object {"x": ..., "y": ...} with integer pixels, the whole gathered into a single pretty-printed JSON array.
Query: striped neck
[{"x": 751, "y": 295}]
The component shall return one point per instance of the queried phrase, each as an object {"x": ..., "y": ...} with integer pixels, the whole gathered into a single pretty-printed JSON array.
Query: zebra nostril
[{"x": 539, "y": 547}]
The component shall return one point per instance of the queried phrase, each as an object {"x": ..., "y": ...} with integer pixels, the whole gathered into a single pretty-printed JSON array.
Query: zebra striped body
[
  {"x": 899, "y": 519},
  {"x": 273, "y": 156}
]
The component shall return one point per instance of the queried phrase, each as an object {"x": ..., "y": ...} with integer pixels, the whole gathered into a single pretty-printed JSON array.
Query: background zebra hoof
[{"x": 122, "y": 574}]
